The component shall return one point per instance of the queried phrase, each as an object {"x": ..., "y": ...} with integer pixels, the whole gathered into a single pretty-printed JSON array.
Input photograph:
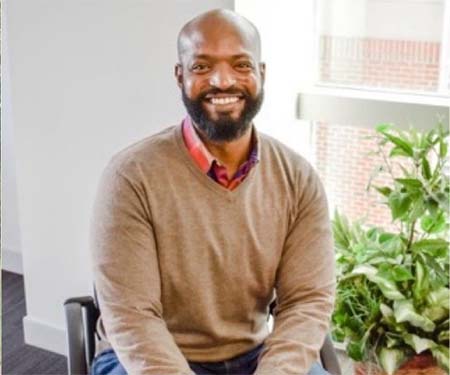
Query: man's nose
[{"x": 222, "y": 78}]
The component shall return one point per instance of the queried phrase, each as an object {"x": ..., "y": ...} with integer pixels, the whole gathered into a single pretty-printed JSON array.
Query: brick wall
[
  {"x": 342, "y": 152},
  {"x": 345, "y": 165},
  {"x": 403, "y": 64}
]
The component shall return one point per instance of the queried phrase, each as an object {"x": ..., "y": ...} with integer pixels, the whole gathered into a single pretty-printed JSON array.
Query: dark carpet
[{"x": 18, "y": 358}]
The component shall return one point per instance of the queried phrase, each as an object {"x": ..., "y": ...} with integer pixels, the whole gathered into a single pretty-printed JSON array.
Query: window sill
[{"x": 366, "y": 107}]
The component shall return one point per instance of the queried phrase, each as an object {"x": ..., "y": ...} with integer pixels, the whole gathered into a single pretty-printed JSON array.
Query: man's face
[{"x": 221, "y": 81}]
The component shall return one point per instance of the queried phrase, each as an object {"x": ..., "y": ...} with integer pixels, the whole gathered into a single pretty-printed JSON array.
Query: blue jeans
[{"x": 106, "y": 363}]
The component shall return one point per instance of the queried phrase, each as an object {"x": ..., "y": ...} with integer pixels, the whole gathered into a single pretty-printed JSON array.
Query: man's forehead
[
  {"x": 216, "y": 32},
  {"x": 201, "y": 45}
]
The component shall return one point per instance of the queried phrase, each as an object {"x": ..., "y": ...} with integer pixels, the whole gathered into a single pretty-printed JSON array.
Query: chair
[{"x": 81, "y": 318}]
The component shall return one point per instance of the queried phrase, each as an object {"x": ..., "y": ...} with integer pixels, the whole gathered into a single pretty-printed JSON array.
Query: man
[{"x": 196, "y": 228}]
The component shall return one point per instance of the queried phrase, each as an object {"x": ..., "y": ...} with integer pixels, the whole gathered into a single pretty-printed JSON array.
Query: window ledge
[
  {"x": 365, "y": 107},
  {"x": 385, "y": 95}
]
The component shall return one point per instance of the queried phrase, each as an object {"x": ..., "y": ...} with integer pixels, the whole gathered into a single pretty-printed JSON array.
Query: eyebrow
[{"x": 234, "y": 57}]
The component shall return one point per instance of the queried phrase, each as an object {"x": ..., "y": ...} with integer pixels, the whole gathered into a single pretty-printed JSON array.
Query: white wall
[
  {"x": 289, "y": 50},
  {"x": 87, "y": 78},
  {"x": 10, "y": 234},
  {"x": 383, "y": 19}
]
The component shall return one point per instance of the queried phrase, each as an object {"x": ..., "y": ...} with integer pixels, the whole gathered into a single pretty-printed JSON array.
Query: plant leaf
[
  {"x": 386, "y": 311},
  {"x": 433, "y": 246},
  {"x": 400, "y": 142},
  {"x": 355, "y": 350},
  {"x": 387, "y": 287},
  {"x": 392, "y": 341},
  {"x": 419, "y": 344},
  {"x": 401, "y": 273},
  {"x": 391, "y": 359},
  {"x": 443, "y": 148},
  {"x": 444, "y": 336},
  {"x": 440, "y": 270},
  {"x": 398, "y": 151},
  {"x": 388, "y": 315},
  {"x": 443, "y": 200},
  {"x": 420, "y": 288},
  {"x": 382, "y": 128},
  {"x": 341, "y": 231},
  {"x": 399, "y": 204},
  {"x": 426, "y": 170},
  {"x": 445, "y": 324},
  {"x": 418, "y": 209},
  {"x": 439, "y": 297},
  {"x": 434, "y": 313},
  {"x": 432, "y": 206},
  {"x": 433, "y": 224},
  {"x": 384, "y": 190},
  {"x": 404, "y": 311},
  {"x": 384, "y": 237},
  {"x": 410, "y": 182},
  {"x": 441, "y": 354}
]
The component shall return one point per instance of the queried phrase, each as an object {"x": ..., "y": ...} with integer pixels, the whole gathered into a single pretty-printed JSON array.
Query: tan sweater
[{"x": 185, "y": 269}]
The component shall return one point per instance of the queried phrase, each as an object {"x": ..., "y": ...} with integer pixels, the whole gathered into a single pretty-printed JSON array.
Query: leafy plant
[{"x": 393, "y": 286}]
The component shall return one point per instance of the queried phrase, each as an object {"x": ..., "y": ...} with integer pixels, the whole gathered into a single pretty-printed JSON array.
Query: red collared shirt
[{"x": 209, "y": 164}]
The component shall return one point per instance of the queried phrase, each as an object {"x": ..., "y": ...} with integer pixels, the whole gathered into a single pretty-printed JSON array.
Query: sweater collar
[{"x": 201, "y": 155}]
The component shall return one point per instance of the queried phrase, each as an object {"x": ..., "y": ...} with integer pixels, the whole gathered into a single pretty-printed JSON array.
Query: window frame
[{"x": 318, "y": 102}]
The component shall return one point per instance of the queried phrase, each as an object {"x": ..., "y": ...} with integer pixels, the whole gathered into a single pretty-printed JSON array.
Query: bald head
[{"x": 216, "y": 23}]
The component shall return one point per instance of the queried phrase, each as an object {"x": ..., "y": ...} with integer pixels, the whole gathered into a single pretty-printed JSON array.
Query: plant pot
[{"x": 422, "y": 364}]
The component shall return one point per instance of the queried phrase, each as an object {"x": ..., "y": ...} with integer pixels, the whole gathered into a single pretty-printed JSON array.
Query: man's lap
[{"x": 107, "y": 363}]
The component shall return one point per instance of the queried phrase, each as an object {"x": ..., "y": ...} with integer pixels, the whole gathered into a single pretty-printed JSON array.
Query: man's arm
[
  {"x": 305, "y": 288},
  {"x": 127, "y": 279}
]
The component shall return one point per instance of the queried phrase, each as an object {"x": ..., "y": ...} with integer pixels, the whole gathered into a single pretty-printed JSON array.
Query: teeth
[{"x": 231, "y": 99}]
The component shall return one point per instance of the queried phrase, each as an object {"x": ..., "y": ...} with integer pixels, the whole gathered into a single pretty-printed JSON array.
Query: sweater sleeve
[
  {"x": 126, "y": 274},
  {"x": 305, "y": 286}
]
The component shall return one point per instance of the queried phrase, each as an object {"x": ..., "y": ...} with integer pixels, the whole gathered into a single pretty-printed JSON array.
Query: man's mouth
[{"x": 223, "y": 100}]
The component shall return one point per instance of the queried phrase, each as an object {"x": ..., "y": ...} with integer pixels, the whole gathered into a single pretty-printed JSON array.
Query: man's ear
[
  {"x": 179, "y": 75},
  {"x": 262, "y": 72}
]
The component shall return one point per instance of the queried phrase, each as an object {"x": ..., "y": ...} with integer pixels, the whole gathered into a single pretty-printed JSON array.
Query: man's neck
[{"x": 230, "y": 154}]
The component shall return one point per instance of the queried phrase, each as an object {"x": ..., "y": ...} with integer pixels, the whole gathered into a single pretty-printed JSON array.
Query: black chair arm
[
  {"x": 81, "y": 316},
  {"x": 329, "y": 358}
]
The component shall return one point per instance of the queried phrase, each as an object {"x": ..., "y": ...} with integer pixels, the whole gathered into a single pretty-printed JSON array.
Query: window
[
  {"x": 397, "y": 44},
  {"x": 378, "y": 61}
]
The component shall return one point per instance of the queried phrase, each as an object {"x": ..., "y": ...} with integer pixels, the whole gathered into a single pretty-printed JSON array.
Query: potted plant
[{"x": 392, "y": 304}]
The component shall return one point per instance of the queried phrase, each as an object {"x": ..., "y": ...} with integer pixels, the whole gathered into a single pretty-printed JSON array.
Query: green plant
[{"x": 393, "y": 286}]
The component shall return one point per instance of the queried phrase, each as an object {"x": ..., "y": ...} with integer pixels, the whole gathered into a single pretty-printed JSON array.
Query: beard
[{"x": 225, "y": 128}]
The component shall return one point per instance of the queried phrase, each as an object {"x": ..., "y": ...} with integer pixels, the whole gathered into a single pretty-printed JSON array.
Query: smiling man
[{"x": 199, "y": 228}]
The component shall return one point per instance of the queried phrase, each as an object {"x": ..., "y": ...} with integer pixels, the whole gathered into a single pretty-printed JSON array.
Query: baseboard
[
  {"x": 44, "y": 336},
  {"x": 12, "y": 261}
]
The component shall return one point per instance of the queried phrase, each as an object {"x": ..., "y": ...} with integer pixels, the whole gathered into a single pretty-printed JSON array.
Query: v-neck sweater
[
  {"x": 186, "y": 269},
  {"x": 209, "y": 164}
]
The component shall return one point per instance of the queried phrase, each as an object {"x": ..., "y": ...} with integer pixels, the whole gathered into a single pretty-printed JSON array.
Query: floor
[{"x": 18, "y": 358}]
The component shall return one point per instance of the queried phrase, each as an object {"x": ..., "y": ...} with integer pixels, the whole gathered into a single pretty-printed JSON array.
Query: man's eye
[
  {"x": 199, "y": 67},
  {"x": 244, "y": 65}
]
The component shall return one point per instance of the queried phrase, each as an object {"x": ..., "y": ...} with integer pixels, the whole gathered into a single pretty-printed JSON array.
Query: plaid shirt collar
[{"x": 204, "y": 159}]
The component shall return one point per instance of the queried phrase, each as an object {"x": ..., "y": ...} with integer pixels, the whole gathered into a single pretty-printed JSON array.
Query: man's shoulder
[
  {"x": 151, "y": 150},
  {"x": 277, "y": 152},
  {"x": 289, "y": 167}
]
